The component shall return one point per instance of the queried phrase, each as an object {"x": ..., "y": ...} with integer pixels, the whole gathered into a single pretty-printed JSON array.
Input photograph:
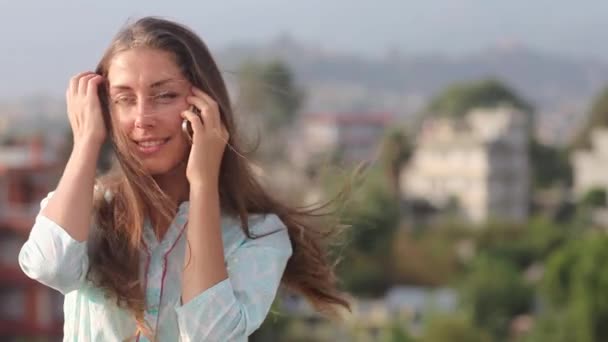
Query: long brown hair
[{"x": 116, "y": 243}]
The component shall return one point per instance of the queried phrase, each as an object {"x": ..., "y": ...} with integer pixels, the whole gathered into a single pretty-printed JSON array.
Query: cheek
[
  {"x": 125, "y": 124},
  {"x": 170, "y": 122},
  {"x": 171, "y": 116}
]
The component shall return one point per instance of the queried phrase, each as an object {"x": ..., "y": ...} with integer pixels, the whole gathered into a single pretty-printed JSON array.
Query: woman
[{"x": 183, "y": 242}]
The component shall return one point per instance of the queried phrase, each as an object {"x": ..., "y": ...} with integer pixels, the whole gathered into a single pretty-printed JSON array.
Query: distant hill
[
  {"x": 547, "y": 81},
  {"x": 561, "y": 89}
]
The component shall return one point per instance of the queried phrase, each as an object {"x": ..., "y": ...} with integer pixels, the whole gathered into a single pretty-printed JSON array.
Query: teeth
[{"x": 151, "y": 143}]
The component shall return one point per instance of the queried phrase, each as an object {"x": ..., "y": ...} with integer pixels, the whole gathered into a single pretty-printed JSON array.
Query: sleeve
[
  {"x": 234, "y": 308},
  {"x": 52, "y": 257}
]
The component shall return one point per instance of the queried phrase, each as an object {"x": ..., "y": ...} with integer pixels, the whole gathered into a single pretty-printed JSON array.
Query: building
[
  {"x": 589, "y": 166},
  {"x": 354, "y": 137},
  {"x": 28, "y": 308},
  {"x": 480, "y": 164}
]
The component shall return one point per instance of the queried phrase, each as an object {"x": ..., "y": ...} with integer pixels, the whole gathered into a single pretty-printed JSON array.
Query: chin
[{"x": 159, "y": 169}]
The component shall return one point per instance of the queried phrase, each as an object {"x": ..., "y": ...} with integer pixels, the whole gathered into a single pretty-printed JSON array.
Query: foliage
[
  {"x": 574, "y": 288},
  {"x": 268, "y": 91},
  {"x": 454, "y": 328},
  {"x": 458, "y": 99},
  {"x": 494, "y": 292},
  {"x": 597, "y": 117}
]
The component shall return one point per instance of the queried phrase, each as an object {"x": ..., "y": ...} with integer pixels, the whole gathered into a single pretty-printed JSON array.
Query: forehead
[{"x": 142, "y": 67}]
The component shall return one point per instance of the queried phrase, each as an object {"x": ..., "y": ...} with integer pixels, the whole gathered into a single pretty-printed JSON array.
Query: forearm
[
  {"x": 204, "y": 262},
  {"x": 71, "y": 204}
]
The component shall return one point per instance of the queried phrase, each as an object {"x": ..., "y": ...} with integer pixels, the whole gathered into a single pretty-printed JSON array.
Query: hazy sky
[{"x": 44, "y": 41}]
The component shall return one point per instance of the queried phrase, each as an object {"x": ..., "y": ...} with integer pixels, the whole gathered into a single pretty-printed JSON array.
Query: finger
[
  {"x": 223, "y": 132},
  {"x": 210, "y": 112},
  {"x": 83, "y": 83},
  {"x": 206, "y": 112},
  {"x": 198, "y": 102},
  {"x": 73, "y": 88},
  {"x": 195, "y": 121},
  {"x": 217, "y": 114},
  {"x": 206, "y": 97},
  {"x": 93, "y": 85}
]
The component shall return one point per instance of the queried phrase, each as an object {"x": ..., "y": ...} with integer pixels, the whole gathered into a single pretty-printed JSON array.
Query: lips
[{"x": 149, "y": 146}]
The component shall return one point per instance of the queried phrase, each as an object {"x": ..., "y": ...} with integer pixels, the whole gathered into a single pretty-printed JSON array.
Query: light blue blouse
[{"x": 229, "y": 311}]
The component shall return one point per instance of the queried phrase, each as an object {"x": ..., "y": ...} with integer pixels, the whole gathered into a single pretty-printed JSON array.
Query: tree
[
  {"x": 373, "y": 216},
  {"x": 269, "y": 100},
  {"x": 495, "y": 293},
  {"x": 594, "y": 198},
  {"x": 460, "y": 98},
  {"x": 456, "y": 328},
  {"x": 396, "y": 151},
  {"x": 428, "y": 259},
  {"x": 574, "y": 287},
  {"x": 550, "y": 165},
  {"x": 268, "y": 91},
  {"x": 521, "y": 244},
  {"x": 597, "y": 117}
]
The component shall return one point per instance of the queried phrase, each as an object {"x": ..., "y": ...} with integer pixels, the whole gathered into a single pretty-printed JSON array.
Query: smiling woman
[
  {"x": 134, "y": 75},
  {"x": 183, "y": 242}
]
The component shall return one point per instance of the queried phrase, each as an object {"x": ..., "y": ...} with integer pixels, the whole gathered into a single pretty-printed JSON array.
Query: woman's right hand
[{"x": 84, "y": 109}]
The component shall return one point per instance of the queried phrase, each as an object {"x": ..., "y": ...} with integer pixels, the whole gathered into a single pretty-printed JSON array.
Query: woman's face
[{"x": 147, "y": 94}]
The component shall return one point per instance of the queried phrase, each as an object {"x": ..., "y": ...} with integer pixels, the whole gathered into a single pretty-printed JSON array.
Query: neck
[{"x": 175, "y": 184}]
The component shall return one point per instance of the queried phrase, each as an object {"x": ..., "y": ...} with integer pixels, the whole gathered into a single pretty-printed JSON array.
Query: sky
[{"x": 45, "y": 42}]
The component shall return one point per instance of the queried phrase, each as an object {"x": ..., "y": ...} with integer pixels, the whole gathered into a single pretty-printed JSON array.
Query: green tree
[
  {"x": 373, "y": 216},
  {"x": 398, "y": 333},
  {"x": 521, "y": 244},
  {"x": 594, "y": 198},
  {"x": 396, "y": 151},
  {"x": 427, "y": 259},
  {"x": 574, "y": 288},
  {"x": 458, "y": 99},
  {"x": 597, "y": 117},
  {"x": 453, "y": 328},
  {"x": 550, "y": 165},
  {"x": 494, "y": 293},
  {"x": 269, "y": 92}
]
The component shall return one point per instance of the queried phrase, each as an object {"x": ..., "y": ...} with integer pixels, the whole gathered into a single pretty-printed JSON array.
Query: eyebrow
[{"x": 153, "y": 85}]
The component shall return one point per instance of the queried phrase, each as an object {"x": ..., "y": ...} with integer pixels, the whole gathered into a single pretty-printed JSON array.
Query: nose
[{"x": 144, "y": 117}]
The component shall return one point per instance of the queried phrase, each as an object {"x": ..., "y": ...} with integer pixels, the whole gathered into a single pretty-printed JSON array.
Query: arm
[
  {"x": 71, "y": 205},
  {"x": 204, "y": 262},
  {"x": 55, "y": 253},
  {"x": 235, "y": 307},
  {"x": 52, "y": 257},
  {"x": 223, "y": 303}
]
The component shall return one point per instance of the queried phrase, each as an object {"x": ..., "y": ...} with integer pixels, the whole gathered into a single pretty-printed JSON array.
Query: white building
[
  {"x": 590, "y": 166},
  {"x": 481, "y": 162},
  {"x": 355, "y": 136}
]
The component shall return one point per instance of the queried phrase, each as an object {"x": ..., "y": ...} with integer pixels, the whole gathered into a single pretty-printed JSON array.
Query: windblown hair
[{"x": 116, "y": 243}]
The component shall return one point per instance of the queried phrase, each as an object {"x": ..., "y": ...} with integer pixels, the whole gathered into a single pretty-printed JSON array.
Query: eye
[
  {"x": 165, "y": 97},
  {"x": 124, "y": 100}
]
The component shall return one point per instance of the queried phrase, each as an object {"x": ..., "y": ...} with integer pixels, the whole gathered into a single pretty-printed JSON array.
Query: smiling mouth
[{"x": 151, "y": 146}]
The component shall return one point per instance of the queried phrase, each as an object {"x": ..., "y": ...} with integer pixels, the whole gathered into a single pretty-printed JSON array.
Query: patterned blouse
[{"x": 228, "y": 311}]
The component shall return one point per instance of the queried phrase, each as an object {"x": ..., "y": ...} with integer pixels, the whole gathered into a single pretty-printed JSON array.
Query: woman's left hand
[{"x": 208, "y": 142}]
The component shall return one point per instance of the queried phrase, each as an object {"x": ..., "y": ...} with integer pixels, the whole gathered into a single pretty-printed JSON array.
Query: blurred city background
[{"x": 481, "y": 213}]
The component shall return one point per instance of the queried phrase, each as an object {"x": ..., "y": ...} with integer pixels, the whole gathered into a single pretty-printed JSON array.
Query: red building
[{"x": 27, "y": 309}]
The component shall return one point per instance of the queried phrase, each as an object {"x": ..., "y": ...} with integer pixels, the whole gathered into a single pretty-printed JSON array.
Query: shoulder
[
  {"x": 258, "y": 224},
  {"x": 264, "y": 230}
]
